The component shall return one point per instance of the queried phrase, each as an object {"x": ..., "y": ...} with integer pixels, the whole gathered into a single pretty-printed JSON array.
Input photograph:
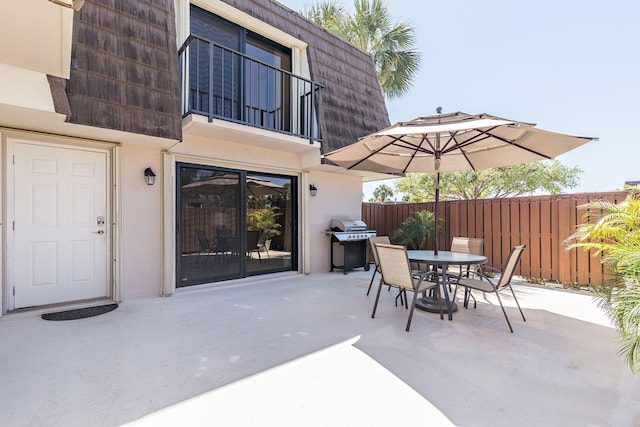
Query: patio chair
[
  {"x": 253, "y": 243},
  {"x": 205, "y": 246},
  {"x": 257, "y": 242},
  {"x": 481, "y": 282},
  {"x": 470, "y": 245},
  {"x": 372, "y": 242},
  {"x": 395, "y": 270},
  {"x": 226, "y": 243}
]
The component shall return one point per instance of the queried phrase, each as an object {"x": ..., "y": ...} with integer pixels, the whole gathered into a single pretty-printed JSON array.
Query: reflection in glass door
[
  {"x": 267, "y": 84},
  {"x": 270, "y": 223},
  {"x": 233, "y": 224},
  {"x": 209, "y": 244}
]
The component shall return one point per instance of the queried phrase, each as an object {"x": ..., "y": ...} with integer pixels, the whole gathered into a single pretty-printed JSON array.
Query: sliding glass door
[{"x": 233, "y": 223}]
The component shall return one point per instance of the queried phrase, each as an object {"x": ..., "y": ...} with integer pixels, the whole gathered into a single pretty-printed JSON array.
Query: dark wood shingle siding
[
  {"x": 352, "y": 104},
  {"x": 127, "y": 75}
]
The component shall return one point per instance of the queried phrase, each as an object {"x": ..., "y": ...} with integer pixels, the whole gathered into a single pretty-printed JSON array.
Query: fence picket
[
  {"x": 514, "y": 228},
  {"x": 525, "y": 236}
]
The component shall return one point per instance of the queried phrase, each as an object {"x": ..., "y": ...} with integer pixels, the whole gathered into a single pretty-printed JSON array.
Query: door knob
[{"x": 100, "y": 232}]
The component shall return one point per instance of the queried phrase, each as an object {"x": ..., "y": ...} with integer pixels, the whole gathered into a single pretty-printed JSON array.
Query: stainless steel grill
[{"x": 351, "y": 237}]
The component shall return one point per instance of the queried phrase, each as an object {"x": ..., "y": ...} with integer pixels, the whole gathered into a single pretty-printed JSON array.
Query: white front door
[{"x": 61, "y": 228}]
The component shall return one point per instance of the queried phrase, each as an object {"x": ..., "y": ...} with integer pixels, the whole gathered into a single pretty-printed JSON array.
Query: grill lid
[{"x": 348, "y": 225}]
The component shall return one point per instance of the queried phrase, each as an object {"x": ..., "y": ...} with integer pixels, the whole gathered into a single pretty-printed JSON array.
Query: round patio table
[{"x": 443, "y": 260}]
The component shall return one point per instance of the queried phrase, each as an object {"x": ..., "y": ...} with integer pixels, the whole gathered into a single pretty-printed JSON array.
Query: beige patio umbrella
[{"x": 453, "y": 142}]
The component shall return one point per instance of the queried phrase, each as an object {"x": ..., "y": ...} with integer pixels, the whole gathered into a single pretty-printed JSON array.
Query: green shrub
[{"x": 415, "y": 231}]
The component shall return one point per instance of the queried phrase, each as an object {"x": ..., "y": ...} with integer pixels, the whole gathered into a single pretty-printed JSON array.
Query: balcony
[{"x": 224, "y": 84}]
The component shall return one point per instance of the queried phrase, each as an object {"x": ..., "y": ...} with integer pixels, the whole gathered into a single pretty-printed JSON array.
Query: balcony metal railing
[{"x": 221, "y": 83}]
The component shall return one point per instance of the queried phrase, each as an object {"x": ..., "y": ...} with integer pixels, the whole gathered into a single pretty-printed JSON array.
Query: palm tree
[
  {"x": 328, "y": 14},
  {"x": 382, "y": 193},
  {"x": 371, "y": 29},
  {"x": 616, "y": 234}
]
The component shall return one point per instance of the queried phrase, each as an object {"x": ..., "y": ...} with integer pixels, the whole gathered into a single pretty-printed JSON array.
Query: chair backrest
[
  {"x": 264, "y": 236},
  {"x": 373, "y": 241},
  {"x": 470, "y": 245},
  {"x": 253, "y": 237},
  {"x": 204, "y": 241},
  {"x": 394, "y": 265},
  {"x": 510, "y": 265}
]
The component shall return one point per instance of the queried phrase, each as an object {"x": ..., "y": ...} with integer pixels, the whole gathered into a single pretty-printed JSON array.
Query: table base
[{"x": 432, "y": 305}]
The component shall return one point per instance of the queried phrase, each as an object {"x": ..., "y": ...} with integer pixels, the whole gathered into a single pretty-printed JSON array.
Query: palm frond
[{"x": 613, "y": 230}]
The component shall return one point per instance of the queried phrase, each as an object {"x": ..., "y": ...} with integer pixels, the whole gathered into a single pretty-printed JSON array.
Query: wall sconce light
[
  {"x": 149, "y": 176},
  {"x": 313, "y": 190}
]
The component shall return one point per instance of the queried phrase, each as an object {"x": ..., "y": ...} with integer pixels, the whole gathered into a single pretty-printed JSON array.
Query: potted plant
[
  {"x": 415, "y": 231},
  {"x": 266, "y": 220}
]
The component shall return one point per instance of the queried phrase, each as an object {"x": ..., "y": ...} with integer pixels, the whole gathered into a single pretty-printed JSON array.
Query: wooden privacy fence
[{"x": 541, "y": 222}]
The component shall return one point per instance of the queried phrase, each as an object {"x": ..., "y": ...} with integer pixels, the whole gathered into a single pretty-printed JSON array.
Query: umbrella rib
[
  {"x": 418, "y": 148},
  {"x": 457, "y": 146},
  {"x": 452, "y": 137},
  {"x": 370, "y": 154},
  {"x": 484, "y": 134},
  {"x": 513, "y": 143},
  {"x": 394, "y": 141},
  {"x": 409, "y": 145},
  {"x": 461, "y": 148}
]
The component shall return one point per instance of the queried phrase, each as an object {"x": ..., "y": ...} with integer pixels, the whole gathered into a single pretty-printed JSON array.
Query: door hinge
[
  {"x": 14, "y": 291},
  {"x": 14, "y": 225}
]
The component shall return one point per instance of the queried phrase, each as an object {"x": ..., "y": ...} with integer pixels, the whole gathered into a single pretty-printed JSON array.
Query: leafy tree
[
  {"x": 382, "y": 193},
  {"x": 507, "y": 181},
  {"x": 616, "y": 234},
  {"x": 372, "y": 29}
]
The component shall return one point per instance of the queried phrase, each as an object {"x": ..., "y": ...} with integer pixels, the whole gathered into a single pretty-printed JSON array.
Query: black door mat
[{"x": 80, "y": 313}]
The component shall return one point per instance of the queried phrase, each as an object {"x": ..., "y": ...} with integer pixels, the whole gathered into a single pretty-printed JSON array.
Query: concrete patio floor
[{"x": 303, "y": 351}]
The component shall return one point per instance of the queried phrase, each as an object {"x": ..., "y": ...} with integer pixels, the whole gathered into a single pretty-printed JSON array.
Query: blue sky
[{"x": 569, "y": 66}]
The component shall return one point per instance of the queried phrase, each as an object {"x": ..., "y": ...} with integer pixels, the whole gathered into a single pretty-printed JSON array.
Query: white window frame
[{"x": 299, "y": 64}]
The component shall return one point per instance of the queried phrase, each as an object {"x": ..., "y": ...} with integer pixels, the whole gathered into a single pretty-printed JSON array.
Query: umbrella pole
[
  {"x": 436, "y": 167},
  {"x": 435, "y": 243}
]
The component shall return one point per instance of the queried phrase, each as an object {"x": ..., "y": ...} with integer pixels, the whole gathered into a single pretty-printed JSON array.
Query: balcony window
[
  {"x": 268, "y": 87},
  {"x": 230, "y": 73}
]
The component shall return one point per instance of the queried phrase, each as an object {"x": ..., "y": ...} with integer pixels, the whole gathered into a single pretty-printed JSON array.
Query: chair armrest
[
  {"x": 422, "y": 275},
  {"x": 479, "y": 275},
  {"x": 485, "y": 268}
]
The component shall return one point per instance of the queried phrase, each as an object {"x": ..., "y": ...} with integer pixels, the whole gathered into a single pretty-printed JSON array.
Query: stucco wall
[
  {"x": 141, "y": 245},
  {"x": 142, "y": 240},
  {"x": 339, "y": 196},
  {"x": 245, "y": 156}
]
